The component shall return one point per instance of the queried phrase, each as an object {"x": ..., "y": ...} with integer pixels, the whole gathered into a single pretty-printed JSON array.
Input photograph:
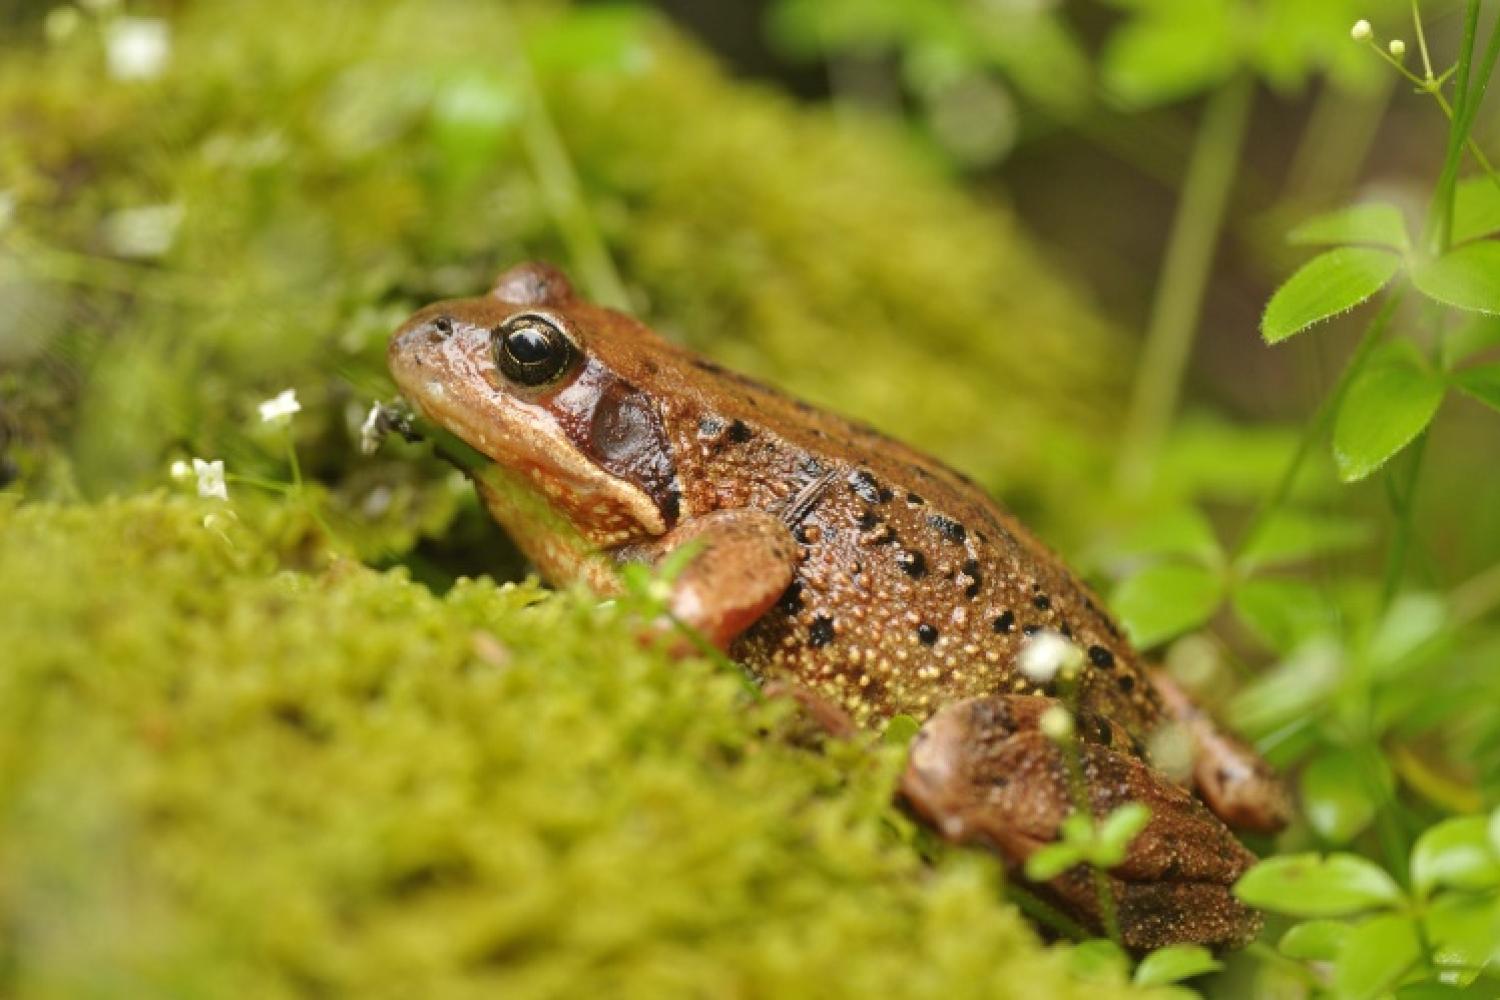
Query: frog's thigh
[
  {"x": 744, "y": 561},
  {"x": 982, "y": 772},
  {"x": 1238, "y": 785}
]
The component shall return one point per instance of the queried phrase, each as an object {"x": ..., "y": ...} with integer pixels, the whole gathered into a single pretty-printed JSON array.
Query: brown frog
[{"x": 830, "y": 559}]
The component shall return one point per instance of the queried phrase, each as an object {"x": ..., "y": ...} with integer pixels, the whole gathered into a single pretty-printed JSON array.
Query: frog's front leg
[
  {"x": 1235, "y": 781},
  {"x": 982, "y": 772},
  {"x": 743, "y": 561}
]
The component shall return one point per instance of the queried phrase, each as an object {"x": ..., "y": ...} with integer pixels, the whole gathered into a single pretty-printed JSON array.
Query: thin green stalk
[
  {"x": 1179, "y": 296},
  {"x": 1044, "y": 913},
  {"x": 1440, "y": 213},
  {"x": 1433, "y": 87},
  {"x": 1318, "y": 424},
  {"x": 558, "y": 180},
  {"x": 1476, "y": 597},
  {"x": 1083, "y": 802},
  {"x": 1402, "y": 500},
  {"x": 1416, "y": 20},
  {"x": 1336, "y": 140},
  {"x": 1078, "y": 784}
]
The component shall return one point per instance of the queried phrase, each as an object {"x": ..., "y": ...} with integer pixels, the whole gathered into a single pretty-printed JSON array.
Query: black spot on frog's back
[
  {"x": 821, "y": 632},
  {"x": 948, "y": 528},
  {"x": 865, "y": 486}
]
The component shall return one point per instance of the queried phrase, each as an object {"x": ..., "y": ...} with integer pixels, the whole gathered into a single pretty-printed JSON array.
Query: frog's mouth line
[{"x": 601, "y": 507}]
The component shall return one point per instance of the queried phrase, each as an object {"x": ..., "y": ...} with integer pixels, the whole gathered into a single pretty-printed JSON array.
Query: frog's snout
[{"x": 419, "y": 334}]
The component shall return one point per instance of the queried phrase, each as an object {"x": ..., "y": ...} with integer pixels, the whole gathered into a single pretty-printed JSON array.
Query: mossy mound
[
  {"x": 311, "y": 173},
  {"x": 224, "y": 777}
]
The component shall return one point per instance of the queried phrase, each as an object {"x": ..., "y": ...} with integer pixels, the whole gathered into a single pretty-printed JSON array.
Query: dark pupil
[
  {"x": 528, "y": 345},
  {"x": 531, "y": 351}
]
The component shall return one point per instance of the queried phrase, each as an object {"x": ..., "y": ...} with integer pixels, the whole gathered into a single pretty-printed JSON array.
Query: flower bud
[{"x": 1056, "y": 724}]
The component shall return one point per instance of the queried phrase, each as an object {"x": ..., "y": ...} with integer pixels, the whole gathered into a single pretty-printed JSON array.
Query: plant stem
[
  {"x": 1440, "y": 213},
  {"x": 1044, "y": 913},
  {"x": 1401, "y": 499},
  {"x": 1320, "y": 419},
  {"x": 1179, "y": 294},
  {"x": 558, "y": 180},
  {"x": 1416, "y": 20},
  {"x": 1434, "y": 88},
  {"x": 1083, "y": 802},
  {"x": 1476, "y": 597}
]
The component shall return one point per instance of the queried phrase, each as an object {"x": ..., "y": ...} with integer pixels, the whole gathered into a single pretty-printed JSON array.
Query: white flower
[
  {"x": 181, "y": 470},
  {"x": 1046, "y": 654},
  {"x": 1056, "y": 724},
  {"x": 211, "y": 479},
  {"x": 143, "y": 233},
  {"x": 280, "y": 406},
  {"x": 1361, "y": 30},
  {"x": 1397, "y": 47},
  {"x": 137, "y": 48}
]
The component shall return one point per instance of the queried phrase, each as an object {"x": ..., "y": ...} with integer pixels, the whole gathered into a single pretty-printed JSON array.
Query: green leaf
[
  {"x": 1455, "y": 853},
  {"x": 1283, "y": 612},
  {"x": 1165, "y": 600},
  {"x": 1337, "y": 795},
  {"x": 1476, "y": 334},
  {"x": 900, "y": 730},
  {"x": 1375, "y": 956},
  {"x": 1175, "y": 963},
  {"x": 1482, "y": 383},
  {"x": 1413, "y": 621},
  {"x": 1178, "y": 531},
  {"x": 1169, "y": 51},
  {"x": 1329, "y": 284},
  {"x": 1292, "y": 690},
  {"x": 1040, "y": 55},
  {"x": 1373, "y": 223},
  {"x": 1052, "y": 860},
  {"x": 1308, "y": 885},
  {"x": 1097, "y": 958},
  {"x": 1476, "y": 209},
  {"x": 1388, "y": 404},
  {"x": 1464, "y": 929},
  {"x": 1314, "y": 940},
  {"x": 1117, "y": 831},
  {"x": 1466, "y": 277},
  {"x": 1291, "y": 536}
]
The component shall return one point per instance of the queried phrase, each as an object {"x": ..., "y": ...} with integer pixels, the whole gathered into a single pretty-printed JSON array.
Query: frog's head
[{"x": 550, "y": 388}]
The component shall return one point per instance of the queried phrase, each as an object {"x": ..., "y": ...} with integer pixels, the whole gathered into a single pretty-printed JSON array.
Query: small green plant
[
  {"x": 1386, "y": 669},
  {"x": 1361, "y": 934}
]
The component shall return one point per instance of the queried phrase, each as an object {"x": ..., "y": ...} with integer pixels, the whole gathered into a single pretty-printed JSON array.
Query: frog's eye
[{"x": 531, "y": 350}]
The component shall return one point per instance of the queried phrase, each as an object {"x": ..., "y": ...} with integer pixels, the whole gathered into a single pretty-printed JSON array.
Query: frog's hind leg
[
  {"x": 982, "y": 772},
  {"x": 741, "y": 563},
  {"x": 1238, "y": 785}
]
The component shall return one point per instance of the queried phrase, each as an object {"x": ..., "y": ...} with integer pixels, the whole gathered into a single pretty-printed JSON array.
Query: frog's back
[{"x": 914, "y": 588}]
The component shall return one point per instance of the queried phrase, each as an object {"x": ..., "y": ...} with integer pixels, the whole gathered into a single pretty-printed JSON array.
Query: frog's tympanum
[{"x": 832, "y": 559}]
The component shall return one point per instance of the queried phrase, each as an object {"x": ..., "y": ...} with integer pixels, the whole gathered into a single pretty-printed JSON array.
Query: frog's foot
[
  {"x": 743, "y": 560},
  {"x": 1238, "y": 785},
  {"x": 982, "y": 772}
]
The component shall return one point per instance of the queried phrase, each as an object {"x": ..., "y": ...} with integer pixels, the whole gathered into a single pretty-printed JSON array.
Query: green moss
[
  {"x": 222, "y": 777},
  {"x": 339, "y": 164}
]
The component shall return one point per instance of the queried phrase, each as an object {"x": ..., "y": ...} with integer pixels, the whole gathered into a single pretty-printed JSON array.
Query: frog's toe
[
  {"x": 982, "y": 772},
  {"x": 1236, "y": 782}
]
